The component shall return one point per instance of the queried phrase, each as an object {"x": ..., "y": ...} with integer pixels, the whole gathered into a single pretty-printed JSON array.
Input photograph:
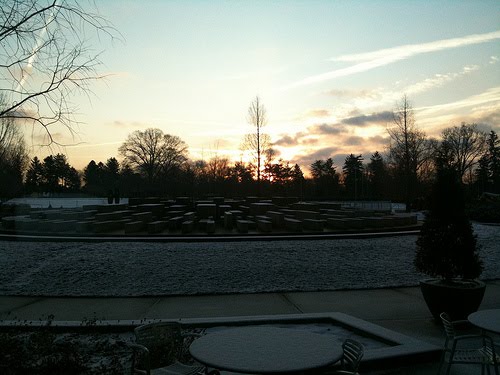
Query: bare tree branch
[
  {"x": 257, "y": 142},
  {"x": 46, "y": 58}
]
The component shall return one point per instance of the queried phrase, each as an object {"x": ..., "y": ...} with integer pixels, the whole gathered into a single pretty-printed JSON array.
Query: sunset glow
[{"x": 328, "y": 72}]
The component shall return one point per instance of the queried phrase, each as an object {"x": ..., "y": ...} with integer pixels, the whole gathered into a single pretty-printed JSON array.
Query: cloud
[
  {"x": 353, "y": 94},
  {"x": 408, "y": 50},
  {"x": 43, "y": 138},
  {"x": 299, "y": 138},
  {"x": 313, "y": 113},
  {"x": 375, "y": 118},
  {"x": 327, "y": 129},
  {"x": 374, "y": 59},
  {"x": 310, "y": 141},
  {"x": 93, "y": 145},
  {"x": 489, "y": 120},
  {"x": 286, "y": 140},
  {"x": 438, "y": 80},
  {"x": 493, "y": 59},
  {"x": 130, "y": 124},
  {"x": 318, "y": 113},
  {"x": 305, "y": 160},
  {"x": 491, "y": 95},
  {"x": 353, "y": 141},
  {"x": 378, "y": 139}
]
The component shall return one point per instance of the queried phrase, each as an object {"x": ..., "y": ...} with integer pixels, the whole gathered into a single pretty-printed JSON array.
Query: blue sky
[{"x": 328, "y": 72}]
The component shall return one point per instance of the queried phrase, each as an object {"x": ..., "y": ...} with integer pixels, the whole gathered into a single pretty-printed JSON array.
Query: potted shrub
[{"x": 447, "y": 251}]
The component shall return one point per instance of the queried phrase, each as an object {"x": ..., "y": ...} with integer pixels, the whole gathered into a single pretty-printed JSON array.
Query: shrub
[{"x": 446, "y": 246}]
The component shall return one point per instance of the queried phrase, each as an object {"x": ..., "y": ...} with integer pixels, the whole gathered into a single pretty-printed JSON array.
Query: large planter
[{"x": 458, "y": 298}]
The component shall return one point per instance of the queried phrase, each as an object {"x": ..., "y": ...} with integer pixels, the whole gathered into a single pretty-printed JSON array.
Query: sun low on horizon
[{"x": 329, "y": 73}]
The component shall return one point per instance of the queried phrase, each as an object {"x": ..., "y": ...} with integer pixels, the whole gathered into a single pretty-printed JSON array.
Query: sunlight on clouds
[
  {"x": 489, "y": 96},
  {"x": 438, "y": 80},
  {"x": 378, "y": 98}
]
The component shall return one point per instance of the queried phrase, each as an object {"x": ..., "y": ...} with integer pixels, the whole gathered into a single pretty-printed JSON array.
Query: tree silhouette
[
  {"x": 325, "y": 177},
  {"x": 493, "y": 156},
  {"x": 13, "y": 158},
  {"x": 353, "y": 175},
  {"x": 257, "y": 142},
  {"x": 409, "y": 149},
  {"x": 463, "y": 145},
  {"x": 93, "y": 178},
  {"x": 377, "y": 176},
  {"x": 58, "y": 175},
  {"x": 34, "y": 176},
  {"x": 45, "y": 59},
  {"x": 151, "y": 153}
]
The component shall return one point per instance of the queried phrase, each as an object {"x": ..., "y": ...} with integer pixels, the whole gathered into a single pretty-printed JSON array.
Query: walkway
[{"x": 399, "y": 309}]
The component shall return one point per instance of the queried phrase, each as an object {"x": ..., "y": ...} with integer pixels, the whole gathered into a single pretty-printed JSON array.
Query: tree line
[{"x": 155, "y": 163}]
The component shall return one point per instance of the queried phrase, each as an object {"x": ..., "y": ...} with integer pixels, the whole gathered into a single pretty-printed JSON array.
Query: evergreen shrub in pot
[{"x": 447, "y": 250}]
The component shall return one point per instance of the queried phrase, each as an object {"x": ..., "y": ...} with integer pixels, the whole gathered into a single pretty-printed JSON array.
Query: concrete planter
[{"x": 458, "y": 298}]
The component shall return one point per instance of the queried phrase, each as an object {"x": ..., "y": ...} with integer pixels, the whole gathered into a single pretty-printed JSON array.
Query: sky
[{"x": 328, "y": 72}]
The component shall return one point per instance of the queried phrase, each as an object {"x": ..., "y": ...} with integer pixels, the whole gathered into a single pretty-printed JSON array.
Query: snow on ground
[{"x": 139, "y": 269}]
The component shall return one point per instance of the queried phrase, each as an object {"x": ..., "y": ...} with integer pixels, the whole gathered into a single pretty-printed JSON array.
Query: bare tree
[
  {"x": 151, "y": 152},
  {"x": 11, "y": 140},
  {"x": 45, "y": 58},
  {"x": 218, "y": 168},
  {"x": 464, "y": 145},
  {"x": 13, "y": 157},
  {"x": 410, "y": 149},
  {"x": 257, "y": 142}
]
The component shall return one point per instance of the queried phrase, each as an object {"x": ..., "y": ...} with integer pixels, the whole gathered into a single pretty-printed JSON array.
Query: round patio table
[
  {"x": 266, "y": 350},
  {"x": 488, "y": 320}
]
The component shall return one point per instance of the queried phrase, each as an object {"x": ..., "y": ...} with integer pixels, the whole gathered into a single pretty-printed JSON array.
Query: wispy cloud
[
  {"x": 438, "y": 80},
  {"x": 374, "y": 59},
  {"x": 314, "y": 113},
  {"x": 489, "y": 96},
  {"x": 353, "y": 94},
  {"x": 94, "y": 145},
  {"x": 408, "y": 50}
]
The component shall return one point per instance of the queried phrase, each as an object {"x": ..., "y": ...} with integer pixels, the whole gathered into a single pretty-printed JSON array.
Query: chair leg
[
  {"x": 449, "y": 368},
  {"x": 441, "y": 361},
  {"x": 495, "y": 362}
]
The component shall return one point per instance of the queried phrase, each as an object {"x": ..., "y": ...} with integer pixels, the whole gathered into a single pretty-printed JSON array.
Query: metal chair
[
  {"x": 353, "y": 352},
  {"x": 158, "y": 349},
  {"x": 483, "y": 355}
]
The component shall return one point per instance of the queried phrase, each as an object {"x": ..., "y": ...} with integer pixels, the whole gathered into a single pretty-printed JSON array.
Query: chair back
[
  {"x": 353, "y": 352},
  {"x": 449, "y": 329},
  {"x": 162, "y": 339}
]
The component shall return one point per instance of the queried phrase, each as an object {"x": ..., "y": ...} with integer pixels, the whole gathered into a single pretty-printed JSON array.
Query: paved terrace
[{"x": 399, "y": 309}]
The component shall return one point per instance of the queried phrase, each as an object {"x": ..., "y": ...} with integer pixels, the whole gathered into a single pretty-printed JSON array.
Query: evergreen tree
[
  {"x": 325, "y": 178},
  {"x": 494, "y": 161},
  {"x": 92, "y": 176},
  {"x": 297, "y": 181},
  {"x": 377, "y": 176},
  {"x": 111, "y": 173},
  {"x": 353, "y": 175},
  {"x": 34, "y": 176},
  {"x": 446, "y": 246},
  {"x": 58, "y": 175}
]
